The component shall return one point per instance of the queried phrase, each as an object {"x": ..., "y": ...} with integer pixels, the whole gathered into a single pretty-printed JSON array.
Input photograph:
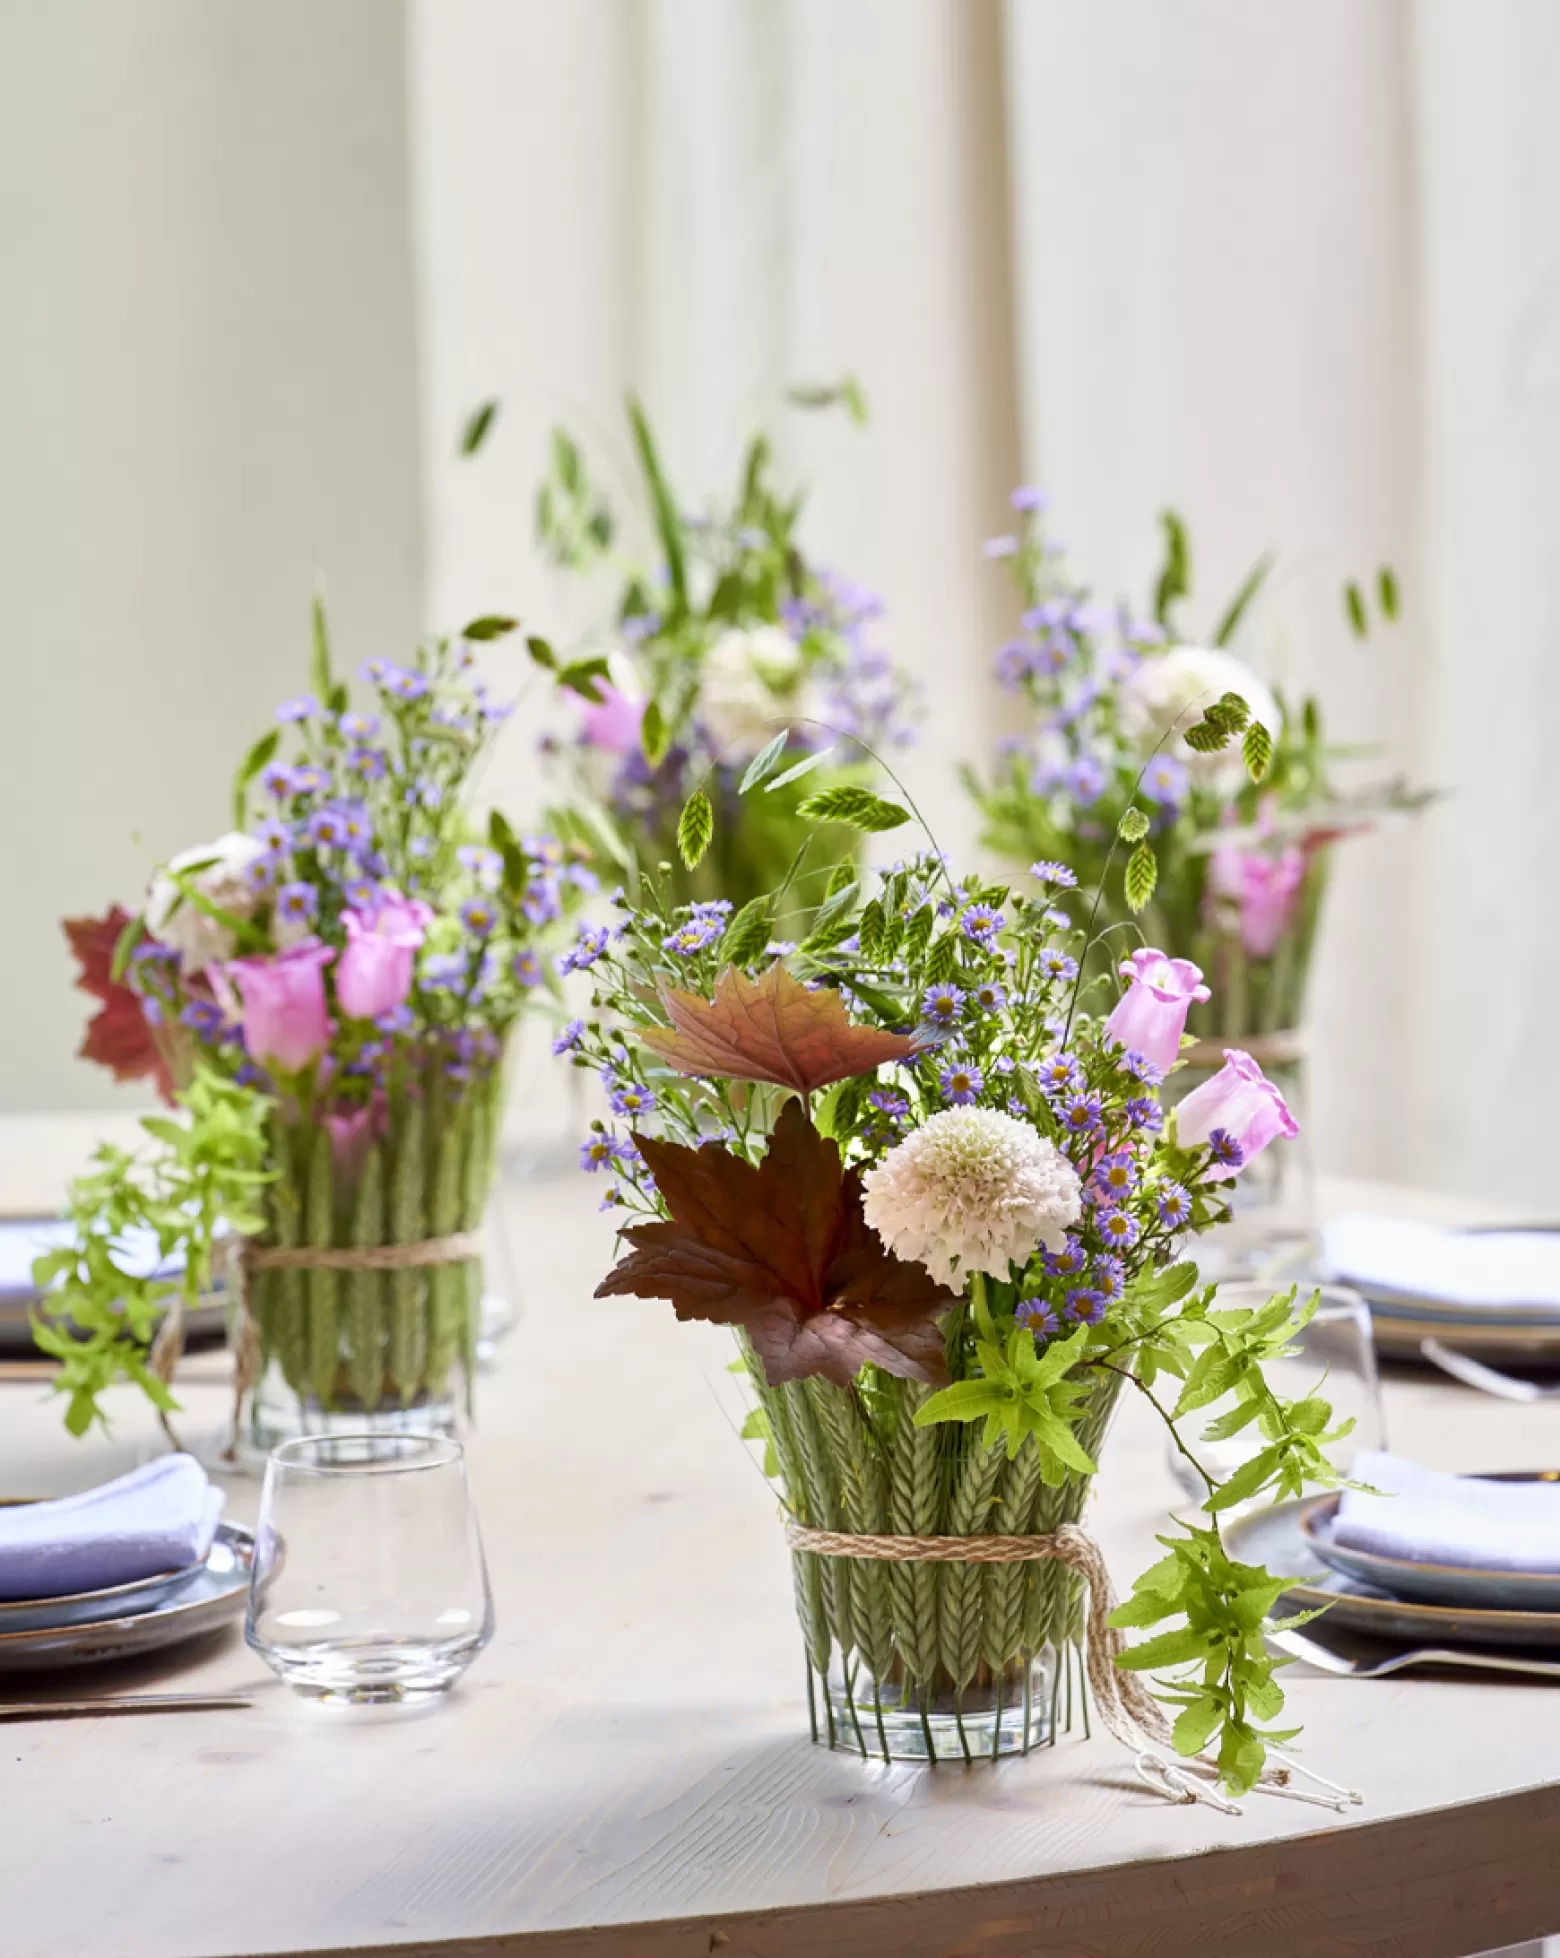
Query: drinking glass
[
  {"x": 1336, "y": 1358},
  {"x": 369, "y": 1583}
]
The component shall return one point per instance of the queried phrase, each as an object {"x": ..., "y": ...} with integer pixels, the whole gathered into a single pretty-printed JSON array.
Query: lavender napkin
[
  {"x": 158, "y": 1518},
  {"x": 1481, "y": 1270},
  {"x": 1427, "y": 1517}
]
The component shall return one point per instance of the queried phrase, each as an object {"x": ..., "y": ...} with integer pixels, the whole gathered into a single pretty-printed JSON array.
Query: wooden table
[{"x": 626, "y": 1770}]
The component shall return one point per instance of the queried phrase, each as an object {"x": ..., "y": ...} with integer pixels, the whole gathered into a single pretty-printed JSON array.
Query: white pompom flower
[
  {"x": 1176, "y": 688},
  {"x": 972, "y": 1190},
  {"x": 753, "y": 678},
  {"x": 224, "y": 879}
]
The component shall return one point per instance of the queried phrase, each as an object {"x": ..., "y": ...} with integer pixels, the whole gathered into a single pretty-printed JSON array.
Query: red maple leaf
[
  {"x": 118, "y": 1036},
  {"x": 772, "y": 1029},
  {"x": 784, "y": 1252}
]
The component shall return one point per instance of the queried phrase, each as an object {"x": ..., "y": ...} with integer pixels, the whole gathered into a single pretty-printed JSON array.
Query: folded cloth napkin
[
  {"x": 24, "y": 1238},
  {"x": 158, "y": 1518},
  {"x": 1427, "y": 1517},
  {"x": 1487, "y": 1270}
]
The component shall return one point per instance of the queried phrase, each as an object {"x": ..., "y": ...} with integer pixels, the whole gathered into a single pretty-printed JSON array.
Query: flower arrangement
[
  {"x": 1227, "y": 789},
  {"x": 737, "y": 641},
  {"x": 329, "y": 988},
  {"x": 939, "y": 1201}
]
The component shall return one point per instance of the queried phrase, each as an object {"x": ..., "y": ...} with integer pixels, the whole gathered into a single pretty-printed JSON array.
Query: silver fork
[
  {"x": 121, "y": 1703},
  {"x": 1326, "y": 1660}
]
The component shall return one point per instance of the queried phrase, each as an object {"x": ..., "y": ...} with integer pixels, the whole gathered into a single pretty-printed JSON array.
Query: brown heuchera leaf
[
  {"x": 784, "y": 1252},
  {"x": 118, "y": 1036},
  {"x": 771, "y": 1029}
]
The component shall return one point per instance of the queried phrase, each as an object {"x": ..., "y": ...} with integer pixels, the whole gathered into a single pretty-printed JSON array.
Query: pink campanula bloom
[
  {"x": 1150, "y": 1016},
  {"x": 353, "y": 1132},
  {"x": 286, "y": 1024},
  {"x": 375, "y": 973},
  {"x": 613, "y": 722},
  {"x": 1264, "y": 889},
  {"x": 1241, "y": 1101}
]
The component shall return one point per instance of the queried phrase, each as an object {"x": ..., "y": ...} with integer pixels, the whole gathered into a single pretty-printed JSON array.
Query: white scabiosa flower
[
  {"x": 224, "y": 880},
  {"x": 1175, "y": 688},
  {"x": 753, "y": 678},
  {"x": 972, "y": 1190}
]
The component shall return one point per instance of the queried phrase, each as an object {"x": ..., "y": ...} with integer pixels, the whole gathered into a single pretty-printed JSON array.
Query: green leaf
[
  {"x": 492, "y": 625},
  {"x": 1195, "y": 1727},
  {"x": 655, "y": 736},
  {"x": 1228, "y": 711},
  {"x": 542, "y": 653},
  {"x": 1387, "y": 592},
  {"x": 695, "y": 827},
  {"x": 662, "y": 503},
  {"x": 478, "y": 423},
  {"x": 1177, "y": 1648},
  {"x": 1238, "y": 606},
  {"x": 584, "y": 677},
  {"x": 319, "y": 658},
  {"x": 1175, "y": 579},
  {"x": 860, "y": 808},
  {"x": 1142, "y": 873},
  {"x": 133, "y": 931},
  {"x": 1247, "y": 1481},
  {"x": 1207, "y": 737},
  {"x": 764, "y": 762},
  {"x": 874, "y": 927},
  {"x": 965, "y": 1400},
  {"x": 1133, "y": 826},
  {"x": 260, "y": 756},
  {"x": 1257, "y": 751},
  {"x": 799, "y": 768},
  {"x": 1354, "y": 609},
  {"x": 748, "y": 933}
]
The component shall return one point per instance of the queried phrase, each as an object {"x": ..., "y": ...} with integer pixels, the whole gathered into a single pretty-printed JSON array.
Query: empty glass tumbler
[{"x": 369, "y": 1583}]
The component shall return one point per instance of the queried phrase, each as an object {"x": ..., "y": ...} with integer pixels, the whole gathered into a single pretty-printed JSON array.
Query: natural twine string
[
  {"x": 1127, "y": 1707},
  {"x": 1281, "y": 1049},
  {"x": 454, "y": 1249}
]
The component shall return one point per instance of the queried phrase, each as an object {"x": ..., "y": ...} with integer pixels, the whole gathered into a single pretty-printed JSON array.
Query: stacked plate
[
  {"x": 1398, "y": 1598},
  {"x": 37, "y": 1633},
  {"x": 24, "y": 1238}
]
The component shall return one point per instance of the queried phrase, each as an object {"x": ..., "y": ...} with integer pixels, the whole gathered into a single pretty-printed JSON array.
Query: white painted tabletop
[{"x": 626, "y": 1770}]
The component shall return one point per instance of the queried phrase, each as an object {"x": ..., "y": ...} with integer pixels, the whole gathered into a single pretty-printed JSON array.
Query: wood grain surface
[{"x": 626, "y": 1770}]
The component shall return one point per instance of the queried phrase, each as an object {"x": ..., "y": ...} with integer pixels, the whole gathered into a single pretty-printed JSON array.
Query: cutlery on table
[
  {"x": 121, "y": 1703},
  {"x": 1473, "y": 1373},
  {"x": 1326, "y": 1660}
]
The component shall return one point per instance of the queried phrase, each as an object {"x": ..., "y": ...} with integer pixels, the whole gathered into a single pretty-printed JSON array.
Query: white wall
[{"x": 206, "y": 398}]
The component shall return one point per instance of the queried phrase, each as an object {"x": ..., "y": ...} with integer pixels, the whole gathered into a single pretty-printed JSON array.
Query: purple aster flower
[
  {"x": 981, "y": 924},
  {"x": 264, "y": 871},
  {"x": 601, "y": 1150},
  {"x": 570, "y": 1038},
  {"x": 640, "y": 625},
  {"x": 204, "y": 1017},
  {"x": 692, "y": 936},
  {"x": 1140, "y": 1068},
  {"x": 611, "y": 1200},
  {"x": 1165, "y": 781},
  {"x": 280, "y": 780},
  {"x": 363, "y": 894},
  {"x": 479, "y": 915},
  {"x": 1080, "y": 1114},
  {"x": 328, "y": 829},
  {"x": 888, "y": 1103},
  {"x": 1085, "y": 779},
  {"x": 370, "y": 763},
  {"x": 587, "y": 949},
  {"x": 961, "y": 1083},
  {"x": 400, "y": 1019},
  {"x": 297, "y": 903},
  {"x": 1056, "y": 965},
  {"x": 629, "y": 1098},
  {"x": 941, "y": 1004},
  {"x": 1004, "y": 546},
  {"x": 990, "y": 996},
  {"x": 443, "y": 971},
  {"x": 405, "y": 682},
  {"x": 359, "y": 727},
  {"x": 1059, "y": 1074},
  {"x": 1115, "y": 1176},
  {"x": 151, "y": 1010},
  {"x": 1027, "y": 497},
  {"x": 1118, "y": 1229},
  {"x": 1109, "y": 1275},
  {"x": 1085, "y": 1305},
  {"x": 1223, "y": 1148},
  {"x": 526, "y": 968},
  {"x": 273, "y": 833},
  {"x": 779, "y": 948},
  {"x": 484, "y": 864},
  {"x": 1043, "y": 1320},
  {"x": 299, "y": 708},
  {"x": 1143, "y": 1113},
  {"x": 1057, "y": 875},
  {"x": 713, "y": 907},
  {"x": 1067, "y": 1262},
  {"x": 1175, "y": 1206}
]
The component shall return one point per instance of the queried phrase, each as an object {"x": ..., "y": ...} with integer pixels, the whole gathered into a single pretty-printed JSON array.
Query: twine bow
[{"x": 1129, "y": 1710}]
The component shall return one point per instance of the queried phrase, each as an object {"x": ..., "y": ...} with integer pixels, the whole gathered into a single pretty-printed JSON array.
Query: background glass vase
[{"x": 366, "y": 1349}]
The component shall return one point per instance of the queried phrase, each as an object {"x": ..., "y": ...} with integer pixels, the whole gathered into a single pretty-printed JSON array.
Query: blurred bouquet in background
[
  {"x": 734, "y": 647},
  {"x": 1196, "y": 804},
  {"x": 329, "y": 989}
]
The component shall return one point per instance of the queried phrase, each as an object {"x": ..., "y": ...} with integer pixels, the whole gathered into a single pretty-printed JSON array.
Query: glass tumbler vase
[{"x": 369, "y": 1583}]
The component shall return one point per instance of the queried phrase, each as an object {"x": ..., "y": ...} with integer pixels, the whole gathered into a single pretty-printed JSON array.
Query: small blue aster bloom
[
  {"x": 280, "y": 780},
  {"x": 202, "y": 1016},
  {"x": 570, "y": 1038},
  {"x": 1085, "y": 1304},
  {"x": 611, "y": 1200},
  {"x": 485, "y": 865},
  {"x": 299, "y": 708},
  {"x": 599, "y": 1151},
  {"x": 941, "y": 1004},
  {"x": 1165, "y": 781},
  {"x": 990, "y": 996},
  {"x": 1043, "y": 1320},
  {"x": 640, "y": 625},
  {"x": 1067, "y": 1262},
  {"x": 886, "y": 1102},
  {"x": 400, "y": 1019},
  {"x": 692, "y": 936},
  {"x": 587, "y": 949},
  {"x": 443, "y": 971},
  {"x": 1057, "y": 966},
  {"x": 1115, "y": 1177},
  {"x": 1118, "y": 1229},
  {"x": 273, "y": 833},
  {"x": 1223, "y": 1148},
  {"x": 1175, "y": 1206},
  {"x": 1057, "y": 875},
  {"x": 297, "y": 903},
  {"x": 1140, "y": 1069},
  {"x": 370, "y": 763},
  {"x": 359, "y": 727},
  {"x": 998, "y": 547},
  {"x": 632, "y": 1099},
  {"x": 405, "y": 682},
  {"x": 961, "y": 1083},
  {"x": 1027, "y": 497},
  {"x": 1059, "y": 1074},
  {"x": 1080, "y": 1113},
  {"x": 1108, "y": 1276},
  {"x": 982, "y": 923},
  {"x": 526, "y": 968},
  {"x": 328, "y": 829},
  {"x": 479, "y": 915},
  {"x": 1085, "y": 779},
  {"x": 1142, "y": 1113}
]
